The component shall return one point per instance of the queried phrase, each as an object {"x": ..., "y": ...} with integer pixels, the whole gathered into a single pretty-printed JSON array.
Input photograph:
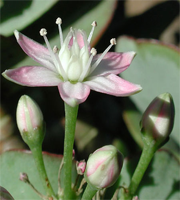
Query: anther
[
  {"x": 55, "y": 49},
  {"x": 94, "y": 24},
  {"x": 93, "y": 51},
  {"x": 43, "y": 32},
  {"x": 113, "y": 41},
  {"x": 58, "y": 20}
]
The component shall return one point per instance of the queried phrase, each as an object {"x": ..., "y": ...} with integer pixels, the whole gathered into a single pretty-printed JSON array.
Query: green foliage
[
  {"x": 160, "y": 180},
  {"x": 15, "y": 162}
]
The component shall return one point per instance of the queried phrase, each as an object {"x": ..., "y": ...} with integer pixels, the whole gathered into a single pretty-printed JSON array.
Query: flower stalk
[
  {"x": 70, "y": 124},
  {"x": 38, "y": 158},
  {"x": 89, "y": 192},
  {"x": 145, "y": 159}
]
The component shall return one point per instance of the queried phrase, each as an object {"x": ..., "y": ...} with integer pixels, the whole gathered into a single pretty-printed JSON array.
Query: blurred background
[{"x": 102, "y": 119}]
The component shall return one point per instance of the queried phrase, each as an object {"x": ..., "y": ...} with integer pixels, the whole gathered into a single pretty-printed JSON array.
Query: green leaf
[
  {"x": 19, "y": 14},
  {"x": 156, "y": 68},
  {"x": 15, "y": 162},
  {"x": 161, "y": 180}
]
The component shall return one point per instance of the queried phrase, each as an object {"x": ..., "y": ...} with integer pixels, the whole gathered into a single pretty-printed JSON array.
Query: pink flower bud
[
  {"x": 30, "y": 121},
  {"x": 103, "y": 167},
  {"x": 135, "y": 198},
  {"x": 73, "y": 154},
  {"x": 81, "y": 167},
  {"x": 158, "y": 119},
  {"x": 5, "y": 195},
  {"x": 24, "y": 177}
]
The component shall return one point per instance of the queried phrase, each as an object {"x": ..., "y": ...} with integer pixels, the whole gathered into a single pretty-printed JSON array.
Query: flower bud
[
  {"x": 30, "y": 121},
  {"x": 135, "y": 198},
  {"x": 158, "y": 119},
  {"x": 103, "y": 167},
  {"x": 81, "y": 167},
  {"x": 24, "y": 177},
  {"x": 5, "y": 195}
]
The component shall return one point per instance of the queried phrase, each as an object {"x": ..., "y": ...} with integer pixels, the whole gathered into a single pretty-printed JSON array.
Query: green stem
[
  {"x": 38, "y": 158},
  {"x": 70, "y": 124},
  {"x": 146, "y": 156},
  {"x": 89, "y": 193}
]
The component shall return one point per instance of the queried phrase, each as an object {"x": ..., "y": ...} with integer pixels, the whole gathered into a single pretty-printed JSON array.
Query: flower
[
  {"x": 158, "y": 119},
  {"x": 75, "y": 68},
  {"x": 103, "y": 167}
]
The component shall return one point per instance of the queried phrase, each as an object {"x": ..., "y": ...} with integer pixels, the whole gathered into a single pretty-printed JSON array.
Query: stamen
[
  {"x": 84, "y": 73},
  {"x": 113, "y": 42},
  {"x": 54, "y": 57},
  {"x": 59, "y": 22},
  {"x": 43, "y": 32},
  {"x": 94, "y": 24}
]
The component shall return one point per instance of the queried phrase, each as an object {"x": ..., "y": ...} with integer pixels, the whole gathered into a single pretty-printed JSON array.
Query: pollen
[
  {"x": 93, "y": 51},
  {"x": 55, "y": 49},
  {"x": 94, "y": 24},
  {"x": 58, "y": 20},
  {"x": 43, "y": 32},
  {"x": 113, "y": 41}
]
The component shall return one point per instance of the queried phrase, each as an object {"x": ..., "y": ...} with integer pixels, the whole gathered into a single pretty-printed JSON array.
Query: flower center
[{"x": 73, "y": 61}]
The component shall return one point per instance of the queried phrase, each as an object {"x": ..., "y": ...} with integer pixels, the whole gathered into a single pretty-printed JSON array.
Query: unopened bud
[
  {"x": 81, "y": 167},
  {"x": 103, "y": 167},
  {"x": 24, "y": 177},
  {"x": 158, "y": 119},
  {"x": 5, "y": 195},
  {"x": 30, "y": 121},
  {"x": 73, "y": 154}
]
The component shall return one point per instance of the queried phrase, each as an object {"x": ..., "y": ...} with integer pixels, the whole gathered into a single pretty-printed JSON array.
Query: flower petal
[
  {"x": 113, "y": 63},
  {"x": 112, "y": 85},
  {"x": 32, "y": 76},
  {"x": 35, "y": 50},
  {"x": 73, "y": 94}
]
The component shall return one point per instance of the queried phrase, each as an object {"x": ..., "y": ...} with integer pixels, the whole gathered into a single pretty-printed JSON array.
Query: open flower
[{"x": 75, "y": 68}]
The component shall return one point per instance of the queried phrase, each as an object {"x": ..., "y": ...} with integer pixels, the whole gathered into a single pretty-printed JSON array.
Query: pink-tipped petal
[
  {"x": 73, "y": 94},
  {"x": 113, "y": 63},
  {"x": 32, "y": 76},
  {"x": 113, "y": 85},
  {"x": 80, "y": 40},
  {"x": 35, "y": 50}
]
